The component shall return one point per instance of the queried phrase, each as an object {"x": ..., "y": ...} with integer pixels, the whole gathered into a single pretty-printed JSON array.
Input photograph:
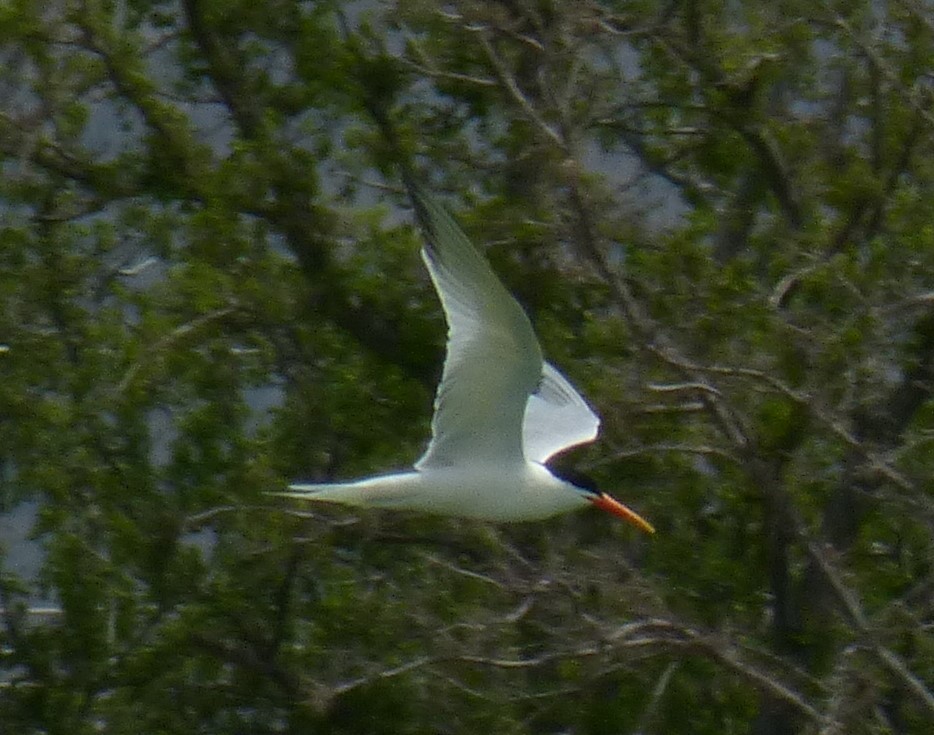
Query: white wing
[
  {"x": 493, "y": 360},
  {"x": 556, "y": 418}
]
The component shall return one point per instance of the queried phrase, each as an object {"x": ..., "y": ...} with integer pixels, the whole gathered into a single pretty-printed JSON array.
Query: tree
[{"x": 718, "y": 217}]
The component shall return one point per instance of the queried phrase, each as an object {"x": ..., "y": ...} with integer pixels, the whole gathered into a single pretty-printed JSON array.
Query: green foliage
[{"x": 203, "y": 297}]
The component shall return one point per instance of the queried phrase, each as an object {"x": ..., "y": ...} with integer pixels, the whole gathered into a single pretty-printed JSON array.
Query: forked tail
[{"x": 395, "y": 490}]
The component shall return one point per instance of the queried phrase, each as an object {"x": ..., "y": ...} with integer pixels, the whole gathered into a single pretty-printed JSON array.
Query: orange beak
[{"x": 613, "y": 506}]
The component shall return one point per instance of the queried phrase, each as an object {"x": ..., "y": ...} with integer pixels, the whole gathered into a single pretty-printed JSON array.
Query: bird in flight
[{"x": 501, "y": 411}]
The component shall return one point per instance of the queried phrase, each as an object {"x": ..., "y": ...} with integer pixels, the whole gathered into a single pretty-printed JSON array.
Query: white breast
[{"x": 518, "y": 493}]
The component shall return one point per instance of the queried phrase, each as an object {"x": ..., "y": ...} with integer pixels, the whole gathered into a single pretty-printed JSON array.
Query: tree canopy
[{"x": 720, "y": 219}]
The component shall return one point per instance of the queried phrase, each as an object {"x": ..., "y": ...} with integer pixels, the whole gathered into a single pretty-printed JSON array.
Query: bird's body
[
  {"x": 501, "y": 411},
  {"x": 525, "y": 491}
]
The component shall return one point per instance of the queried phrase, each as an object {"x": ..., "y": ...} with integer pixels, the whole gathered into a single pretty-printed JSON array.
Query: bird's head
[{"x": 587, "y": 486}]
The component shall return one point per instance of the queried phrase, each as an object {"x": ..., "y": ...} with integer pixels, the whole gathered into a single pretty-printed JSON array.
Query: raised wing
[
  {"x": 556, "y": 418},
  {"x": 493, "y": 359}
]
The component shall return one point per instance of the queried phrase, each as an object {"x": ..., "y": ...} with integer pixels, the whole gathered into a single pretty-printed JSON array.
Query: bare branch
[
  {"x": 854, "y": 612},
  {"x": 510, "y": 85},
  {"x": 451, "y": 567},
  {"x": 683, "y": 387},
  {"x": 658, "y": 692},
  {"x": 875, "y": 462},
  {"x": 683, "y": 407},
  {"x": 168, "y": 340},
  {"x": 701, "y": 449},
  {"x": 910, "y": 95},
  {"x": 722, "y": 652},
  {"x": 427, "y": 66},
  {"x": 382, "y": 675}
]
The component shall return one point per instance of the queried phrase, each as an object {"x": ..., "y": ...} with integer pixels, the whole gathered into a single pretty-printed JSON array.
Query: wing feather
[
  {"x": 493, "y": 359},
  {"x": 556, "y": 417}
]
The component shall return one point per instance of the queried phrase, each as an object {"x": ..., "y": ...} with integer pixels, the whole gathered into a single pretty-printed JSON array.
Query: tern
[{"x": 500, "y": 412}]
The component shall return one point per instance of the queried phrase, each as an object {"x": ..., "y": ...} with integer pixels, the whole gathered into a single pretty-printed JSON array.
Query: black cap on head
[{"x": 580, "y": 480}]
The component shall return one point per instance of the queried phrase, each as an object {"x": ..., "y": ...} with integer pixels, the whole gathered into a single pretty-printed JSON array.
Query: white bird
[{"x": 501, "y": 411}]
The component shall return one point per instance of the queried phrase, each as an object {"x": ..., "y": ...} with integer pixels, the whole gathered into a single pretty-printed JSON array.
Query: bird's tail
[
  {"x": 346, "y": 493},
  {"x": 393, "y": 490}
]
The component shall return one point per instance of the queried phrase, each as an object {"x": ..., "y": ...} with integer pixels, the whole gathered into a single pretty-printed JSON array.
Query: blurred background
[{"x": 720, "y": 218}]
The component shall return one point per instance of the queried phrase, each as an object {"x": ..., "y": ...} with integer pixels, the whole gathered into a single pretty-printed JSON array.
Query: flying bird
[{"x": 500, "y": 413}]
